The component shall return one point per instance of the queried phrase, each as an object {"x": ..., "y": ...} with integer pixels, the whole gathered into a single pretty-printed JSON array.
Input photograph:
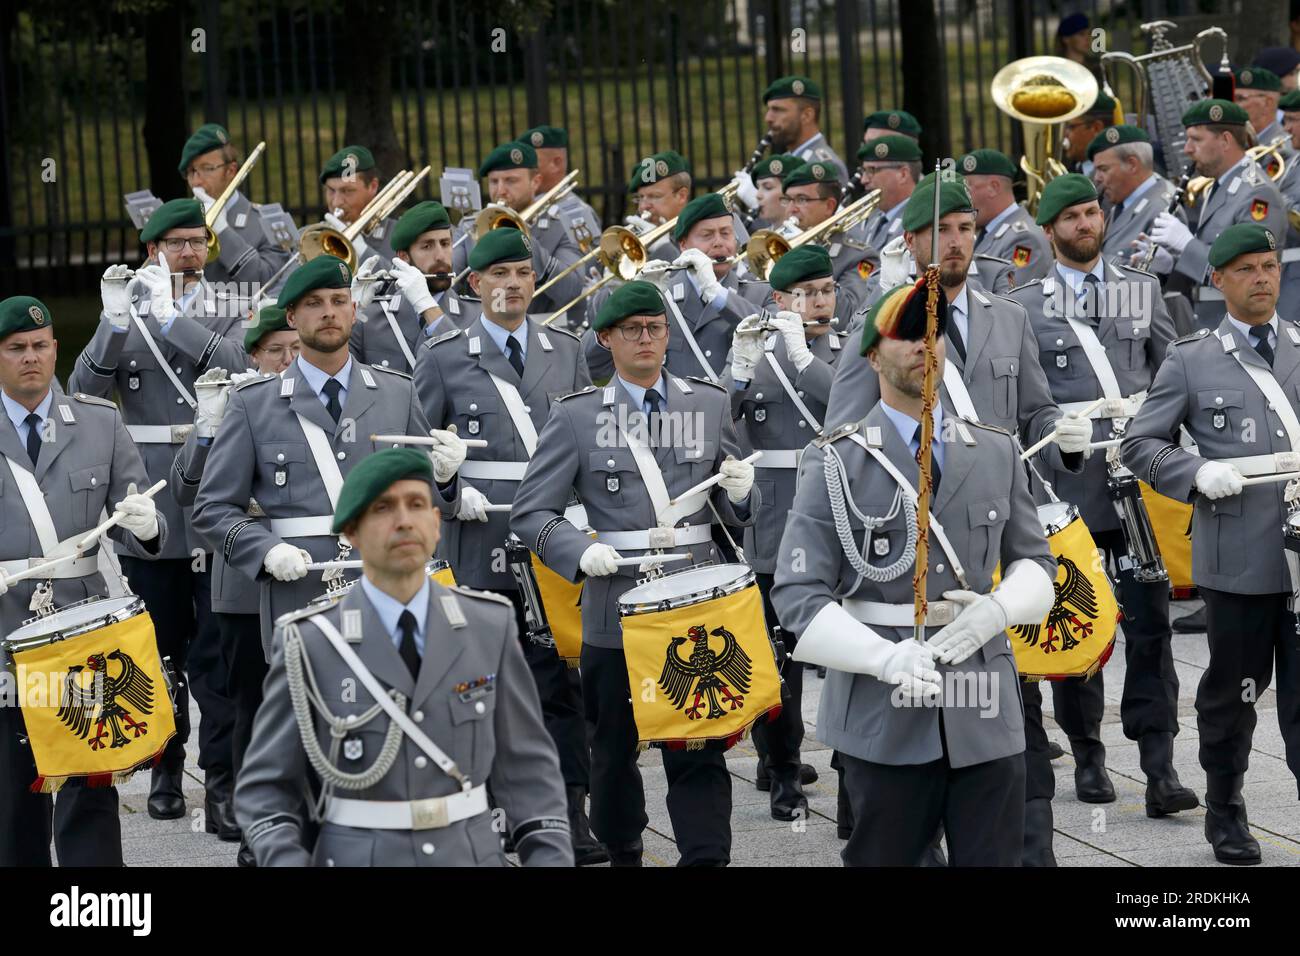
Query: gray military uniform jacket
[
  {"x": 853, "y": 263},
  {"x": 880, "y": 228},
  {"x": 1236, "y": 541},
  {"x": 249, "y": 253},
  {"x": 158, "y": 418},
  {"x": 1135, "y": 346},
  {"x": 374, "y": 343},
  {"x": 261, "y": 452},
  {"x": 579, "y": 219},
  {"x": 581, "y": 449},
  {"x": 453, "y": 378},
  {"x": 817, "y": 150},
  {"x": 1019, "y": 240},
  {"x": 1124, "y": 225},
  {"x": 553, "y": 250},
  {"x": 493, "y": 732},
  {"x": 984, "y": 506},
  {"x": 83, "y": 468},
  {"x": 1288, "y": 304}
]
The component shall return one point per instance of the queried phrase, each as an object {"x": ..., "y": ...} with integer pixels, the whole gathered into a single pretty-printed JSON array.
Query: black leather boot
[
  {"x": 166, "y": 801},
  {"x": 1193, "y": 623},
  {"x": 1038, "y": 834},
  {"x": 1054, "y": 750},
  {"x": 625, "y": 854},
  {"x": 1091, "y": 782},
  {"x": 1225, "y": 822},
  {"x": 245, "y": 856},
  {"x": 587, "y": 850},
  {"x": 763, "y": 781},
  {"x": 1165, "y": 792},
  {"x": 220, "y": 817},
  {"x": 788, "y": 799}
]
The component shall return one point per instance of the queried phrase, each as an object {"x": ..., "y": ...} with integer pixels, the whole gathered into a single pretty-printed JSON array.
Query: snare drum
[
  {"x": 699, "y": 660},
  {"x": 94, "y": 698},
  {"x": 1171, "y": 521},
  {"x": 552, "y": 604},
  {"x": 440, "y": 571},
  {"x": 1078, "y": 635}
]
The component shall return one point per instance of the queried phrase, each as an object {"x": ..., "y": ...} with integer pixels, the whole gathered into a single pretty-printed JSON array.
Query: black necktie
[
  {"x": 1092, "y": 298},
  {"x": 516, "y": 355},
  {"x": 331, "y": 389},
  {"x": 1259, "y": 336},
  {"x": 407, "y": 649},
  {"x": 654, "y": 400},
  {"x": 935, "y": 472},
  {"x": 33, "y": 436},
  {"x": 954, "y": 334}
]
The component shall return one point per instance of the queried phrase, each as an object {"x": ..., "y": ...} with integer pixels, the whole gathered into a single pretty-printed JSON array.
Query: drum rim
[
  {"x": 17, "y": 641},
  {"x": 628, "y": 608},
  {"x": 1071, "y": 515}
]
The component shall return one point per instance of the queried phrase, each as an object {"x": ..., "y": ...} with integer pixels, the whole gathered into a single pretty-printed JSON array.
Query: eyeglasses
[
  {"x": 800, "y": 200},
  {"x": 197, "y": 243},
  {"x": 632, "y": 333},
  {"x": 872, "y": 170},
  {"x": 278, "y": 352}
]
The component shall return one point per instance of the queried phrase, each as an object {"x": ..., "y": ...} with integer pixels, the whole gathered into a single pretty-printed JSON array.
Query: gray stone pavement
[{"x": 1117, "y": 834}]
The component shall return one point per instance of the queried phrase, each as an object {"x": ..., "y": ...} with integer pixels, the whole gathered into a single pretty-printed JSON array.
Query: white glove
[
  {"x": 746, "y": 191},
  {"x": 116, "y": 298},
  {"x": 737, "y": 479},
  {"x": 358, "y": 244},
  {"x": 447, "y": 455},
  {"x": 4, "y": 583},
  {"x": 638, "y": 224},
  {"x": 140, "y": 517},
  {"x": 910, "y": 665},
  {"x": 363, "y": 287},
  {"x": 746, "y": 353},
  {"x": 202, "y": 196},
  {"x": 896, "y": 264},
  {"x": 239, "y": 378},
  {"x": 834, "y": 639},
  {"x": 472, "y": 504},
  {"x": 598, "y": 561},
  {"x": 655, "y": 272},
  {"x": 981, "y": 619},
  {"x": 1171, "y": 232},
  {"x": 1073, "y": 434},
  {"x": 1162, "y": 262},
  {"x": 157, "y": 278},
  {"x": 701, "y": 267},
  {"x": 284, "y": 562},
  {"x": 415, "y": 289},
  {"x": 212, "y": 399},
  {"x": 796, "y": 340},
  {"x": 1218, "y": 479}
]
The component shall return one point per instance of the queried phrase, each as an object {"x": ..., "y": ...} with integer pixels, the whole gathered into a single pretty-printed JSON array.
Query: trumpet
[
  {"x": 1276, "y": 167},
  {"x": 210, "y": 217},
  {"x": 768, "y": 245},
  {"x": 498, "y": 216}
]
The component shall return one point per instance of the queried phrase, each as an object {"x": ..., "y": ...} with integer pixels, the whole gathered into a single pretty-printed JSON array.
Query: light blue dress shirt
[
  {"x": 906, "y": 427},
  {"x": 18, "y": 414},
  {"x": 1241, "y": 327},
  {"x": 316, "y": 379},
  {"x": 390, "y": 611},
  {"x": 499, "y": 335},
  {"x": 1136, "y": 194},
  {"x": 638, "y": 392}
]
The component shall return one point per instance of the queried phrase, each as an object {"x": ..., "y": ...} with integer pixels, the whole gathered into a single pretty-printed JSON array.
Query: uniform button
[
  {"x": 708, "y": 354},
  {"x": 938, "y": 568},
  {"x": 992, "y": 515},
  {"x": 528, "y": 409},
  {"x": 329, "y": 861},
  {"x": 280, "y": 457},
  {"x": 1219, "y": 400},
  {"x": 480, "y": 708},
  {"x": 758, "y": 397},
  {"x": 179, "y": 400},
  {"x": 427, "y": 849},
  {"x": 418, "y": 716},
  {"x": 1279, "y": 433},
  {"x": 94, "y": 480},
  {"x": 421, "y": 761},
  {"x": 802, "y": 425},
  {"x": 1060, "y": 341},
  {"x": 132, "y": 363},
  {"x": 178, "y": 370},
  {"x": 1270, "y": 406},
  {"x": 342, "y": 455},
  {"x": 800, "y": 394},
  {"x": 473, "y": 406},
  {"x": 610, "y": 463},
  {"x": 384, "y": 363}
]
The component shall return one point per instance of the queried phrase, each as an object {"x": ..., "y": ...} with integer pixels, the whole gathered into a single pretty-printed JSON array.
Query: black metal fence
[{"x": 81, "y": 125}]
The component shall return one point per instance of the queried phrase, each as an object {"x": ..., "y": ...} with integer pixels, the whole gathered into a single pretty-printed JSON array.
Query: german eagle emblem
[
  {"x": 104, "y": 701},
  {"x": 1072, "y": 615},
  {"x": 706, "y": 676}
]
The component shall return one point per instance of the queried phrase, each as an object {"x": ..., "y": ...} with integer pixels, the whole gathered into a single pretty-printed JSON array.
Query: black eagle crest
[
  {"x": 715, "y": 677},
  {"x": 103, "y": 702},
  {"x": 1072, "y": 615}
]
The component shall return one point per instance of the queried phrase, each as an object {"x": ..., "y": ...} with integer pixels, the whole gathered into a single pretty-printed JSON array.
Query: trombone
[
  {"x": 498, "y": 216},
  {"x": 210, "y": 217},
  {"x": 1275, "y": 167},
  {"x": 768, "y": 245}
]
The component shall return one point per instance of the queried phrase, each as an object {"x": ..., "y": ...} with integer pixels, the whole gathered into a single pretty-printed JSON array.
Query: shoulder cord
[{"x": 836, "y": 477}]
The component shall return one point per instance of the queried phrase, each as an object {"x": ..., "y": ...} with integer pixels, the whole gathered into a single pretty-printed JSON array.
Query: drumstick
[
  {"x": 1269, "y": 479},
  {"x": 650, "y": 559},
  {"x": 116, "y": 518},
  {"x": 708, "y": 483},
  {"x": 421, "y": 440},
  {"x": 1108, "y": 443},
  {"x": 330, "y": 565},
  {"x": 1051, "y": 436}
]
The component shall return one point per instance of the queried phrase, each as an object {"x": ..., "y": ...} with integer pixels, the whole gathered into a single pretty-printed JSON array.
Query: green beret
[
  {"x": 918, "y": 214},
  {"x": 1215, "y": 111},
  {"x": 206, "y": 138},
  {"x": 1239, "y": 239},
  {"x": 1258, "y": 78},
  {"x": 416, "y": 221},
  {"x": 173, "y": 214},
  {"x": 788, "y": 86},
  {"x": 270, "y": 318},
  {"x": 1116, "y": 136},
  {"x": 632, "y": 298},
  {"x": 708, "y": 206},
  {"x": 900, "y": 314},
  {"x": 987, "y": 162},
  {"x": 810, "y": 173},
  {"x": 1290, "y": 102},
  {"x": 22, "y": 313},
  {"x": 375, "y": 474},
  {"x": 511, "y": 155},
  {"x": 896, "y": 121},
  {"x": 776, "y": 166},
  {"x": 500, "y": 245},
  {"x": 654, "y": 168},
  {"x": 323, "y": 272},
  {"x": 1103, "y": 105},
  {"x": 901, "y": 149},
  {"x": 801, "y": 263},
  {"x": 1068, "y": 190},
  {"x": 353, "y": 159},
  {"x": 545, "y": 137}
]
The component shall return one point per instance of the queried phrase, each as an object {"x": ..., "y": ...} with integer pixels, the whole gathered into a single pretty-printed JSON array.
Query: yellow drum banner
[
  {"x": 561, "y": 601},
  {"x": 1170, "y": 521},
  {"x": 443, "y": 576},
  {"x": 701, "y": 673},
  {"x": 106, "y": 712}
]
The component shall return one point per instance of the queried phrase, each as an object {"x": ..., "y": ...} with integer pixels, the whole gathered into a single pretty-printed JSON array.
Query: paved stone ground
[{"x": 1117, "y": 834}]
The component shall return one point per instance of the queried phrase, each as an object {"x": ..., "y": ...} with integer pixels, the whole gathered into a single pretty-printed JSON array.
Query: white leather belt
[
  {"x": 1291, "y": 255},
  {"x": 494, "y": 470},
  {"x": 938, "y": 613},
  {"x": 1276, "y": 464},
  {"x": 76, "y": 568},
  {"x": 1112, "y": 408},
  {"x": 431, "y": 813},
  {"x": 159, "y": 434},
  {"x": 314, "y": 526},
  {"x": 779, "y": 458},
  {"x": 656, "y": 537}
]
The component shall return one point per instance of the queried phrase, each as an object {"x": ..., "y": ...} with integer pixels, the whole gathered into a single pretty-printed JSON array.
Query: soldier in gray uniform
[
  {"x": 917, "y": 752},
  {"x": 74, "y": 458},
  {"x": 792, "y": 114},
  {"x": 1289, "y": 185},
  {"x": 1006, "y": 229},
  {"x": 150, "y": 345},
  {"x": 289, "y": 441},
  {"x": 351, "y": 179},
  {"x": 770, "y": 211},
  {"x": 1102, "y": 331},
  {"x": 586, "y": 446},
  {"x": 552, "y": 146},
  {"x": 396, "y": 774},
  {"x": 892, "y": 164},
  {"x": 256, "y": 241},
  {"x": 888, "y": 122},
  {"x": 1124, "y": 172},
  {"x": 1234, "y": 391},
  {"x": 1216, "y": 142},
  {"x": 1258, "y": 91},
  {"x": 495, "y": 381},
  {"x": 395, "y": 317}
]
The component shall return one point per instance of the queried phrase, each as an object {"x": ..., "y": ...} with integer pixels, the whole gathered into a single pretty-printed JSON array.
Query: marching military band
[{"x": 869, "y": 406}]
